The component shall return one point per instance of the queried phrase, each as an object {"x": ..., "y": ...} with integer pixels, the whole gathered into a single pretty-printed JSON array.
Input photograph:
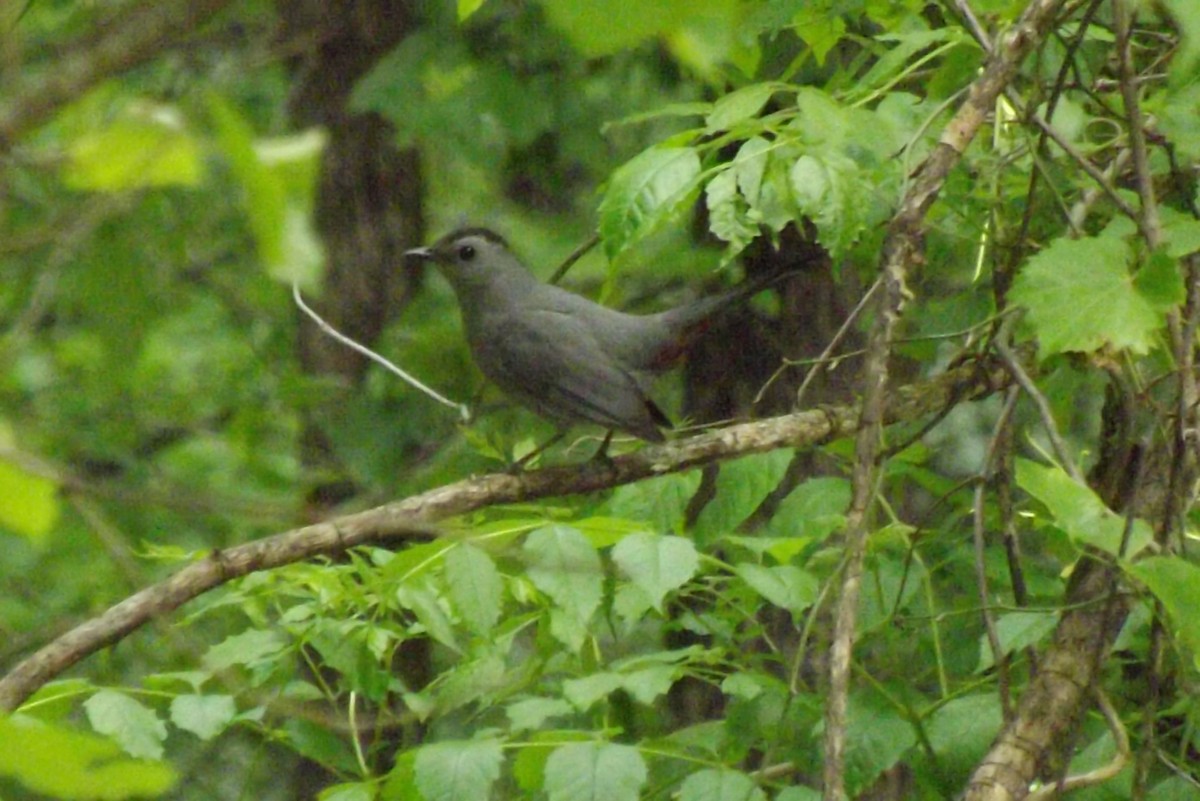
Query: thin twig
[
  {"x": 575, "y": 256},
  {"x": 463, "y": 411}
]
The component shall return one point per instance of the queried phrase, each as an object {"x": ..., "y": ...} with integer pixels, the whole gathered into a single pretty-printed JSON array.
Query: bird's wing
[{"x": 549, "y": 361}]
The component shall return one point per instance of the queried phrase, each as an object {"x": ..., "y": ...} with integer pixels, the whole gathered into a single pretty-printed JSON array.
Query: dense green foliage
[{"x": 152, "y": 403}]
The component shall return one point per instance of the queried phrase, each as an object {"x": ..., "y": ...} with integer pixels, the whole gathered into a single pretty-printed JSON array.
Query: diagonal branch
[{"x": 414, "y": 518}]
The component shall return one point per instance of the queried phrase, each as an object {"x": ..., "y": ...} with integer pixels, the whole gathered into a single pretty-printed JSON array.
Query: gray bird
[{"x": 563, "y": 356}]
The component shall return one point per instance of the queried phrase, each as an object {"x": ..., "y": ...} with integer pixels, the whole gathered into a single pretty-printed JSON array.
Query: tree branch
[
  {"x": 902, "y": 252},
  {"x": 132, "y": 38},
  {"x": 414, "y": 517}
]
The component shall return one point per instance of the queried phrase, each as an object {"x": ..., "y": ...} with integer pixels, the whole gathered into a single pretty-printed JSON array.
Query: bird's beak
[{"x": 422, "y": 254}]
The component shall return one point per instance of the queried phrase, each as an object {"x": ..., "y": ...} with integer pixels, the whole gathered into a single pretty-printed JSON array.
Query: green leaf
[
  {"x": 1016, "y": 631},
  {"x": 960, "y": 732},
  {"x": 594, "y": 772},
  {"x": 205, "y": 716},
  {"x": 454, "y": 770},
  {"x": 1160, "y": 283},
  {"x": 1080, "y": 296},
  {"x": 467, "y": 7},
  {"x": 601, "y": 27},
  {"x": 62, "y": 763},
  {"x": 741, "y": 486},
  {"x": 475, "y": 587},
  {"x": 727, "y": 212},
  {"x": 584, "y": 692},
  {"x": 720, "y": 785},
  {"x": 146, "y": 146},
  {"x": 644, "y": 193},
  {"x": 1176, "y": 583},
  {"x": 750, "y": 165},
  {"x": 350, "y": 791},
  {"x": 658, "y": 502},
  {"x": 565, "y": 566},
  {"x": 532, "y": 713},
  {"x": 278, "y": 180},
  {"x": 28, "y": 503},
  {"x": 1078, "y": 511},
  {"x": 135, "y": 727},
  {"x": 819, "y": 28},
  {"x": 786, "y": 586},
  {"x": 739, "y": 106},
  {"x": 655, "y": 564},
  {"x": 425, "y": 601},
  {"x": 249, "y": 648},
  {"x": 810, "y": 513}
]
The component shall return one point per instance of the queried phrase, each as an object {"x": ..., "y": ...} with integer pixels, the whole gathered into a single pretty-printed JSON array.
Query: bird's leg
[{"x": 519, "y": 465}]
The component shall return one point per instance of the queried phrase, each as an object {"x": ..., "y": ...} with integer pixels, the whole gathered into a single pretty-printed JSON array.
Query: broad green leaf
[
  {"x": 584, "y": 692},
  {"x": 645, "y": 193},
  {"x": 426, "y": 602},
  {"x": 205, "y": 716},
  {"x": 830, "y": 189},
  {"x": 658, "y": 502},
  {"x": 350, "y": 791},
  {"x": 1016, "y": 631},
  {"x": 467, "y": 7},
  {"x": 819, "y": 28},
  {"x": 750, "y": 165},
  {"x": 739, "y": 106},
  {"x": 565, "y": 566},
  {"x": 401, "y": 783},
  {"x": 1160, "y": 283},
  {"x": 63, "y": 763},
  {"x": 135, "y": 727},
  {"x": 878, "y": 737},
  {"x": 786, "y": 586},
  {"x": 475, "y": 587},
  {"x": 532, "y": 713},
  {"x": 28, "y": 503},
  {"x": 1181, "y": 235},
  {"x": 728, "y": 212},
  {"x": 1077, "y": 510},
  {"x": 741, "y": 486},
  {"x": 277, "y": 179},
  {"x": 458, "y": 769},
  {"x": 649, "y": 684},
  {"x": 594, "y": 772},
  {"x": 248, "y": 648},
  {"x": 1080, "y": 297},
  {"x": 1177, "y": 584},
  {"x": 960, "y": 732},
  {"x": 601, "y": 27},
  {"x": 810, "y": 513},
  {"x": 146, "y": 146},
  {"x": 656, "y": 564},
  {"x": 720, "y": 785}
]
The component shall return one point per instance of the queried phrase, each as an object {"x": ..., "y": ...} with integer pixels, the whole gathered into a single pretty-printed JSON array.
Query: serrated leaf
[
  {"x": 1177, "y": 584},
  {"x": 1078, "y": 511},
  {"x": 644, "y": 193},
  {"x": 1160, "y": 283},
  {"x": 594, "y": 772},
  {"x": 727, "y": 212},
  {"x": 1080, "y": 296},
  {"x": 454, "y": 770},
  {"x": 565, "y": 566},
  {"x": 62, "y": 763},
  {"x": 135, "y": 727},
  {"x": 475, "y": 587},
  {"x": 786, "y": 586},
  {"x": 532, "y": 713},
  {"x": 739, "y": 106},
  {"x": 205, "y": 716},
  {"x": 426, "y": 603},
  {"x": 28, "y": 503},
  {"x": 1016, "y": 631},
  {"x": 656, "y": 564},
  {"x": 811, "y": 512},
  {"x": 658, "y": 502},
  {"x": 584, "y": 692},
  {"x": 750, "y": 165},
  {"x": 248, "y": 648},
  {"x": 960, "y": 731},
  {"x": 741, "y": 486},
  {"x": 720, "y": 785}
]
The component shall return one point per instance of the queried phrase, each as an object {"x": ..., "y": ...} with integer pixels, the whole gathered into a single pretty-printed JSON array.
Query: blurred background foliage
[{"x": 155, "y": 402}]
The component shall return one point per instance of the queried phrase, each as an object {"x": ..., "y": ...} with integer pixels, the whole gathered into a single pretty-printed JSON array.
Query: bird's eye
[{"x": 466, "y": 252}]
